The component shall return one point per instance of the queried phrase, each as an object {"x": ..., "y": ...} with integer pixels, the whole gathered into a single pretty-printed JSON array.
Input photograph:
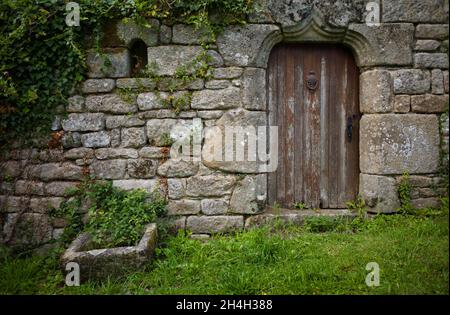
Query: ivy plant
[{"x": 42, "y": 60}]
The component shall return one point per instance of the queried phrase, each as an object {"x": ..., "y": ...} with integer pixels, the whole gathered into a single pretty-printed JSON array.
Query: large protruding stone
[
  {"x": 379, "y": 192},
  {"x": 220, "y": 147},
  {"x": 394, "y": 144},
  {"x": 115, "y": 153}
]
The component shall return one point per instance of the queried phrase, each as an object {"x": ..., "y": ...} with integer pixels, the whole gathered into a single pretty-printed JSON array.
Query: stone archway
[
  {"x": 391, "y": 144},
  {"x": 314, "y": 29}
]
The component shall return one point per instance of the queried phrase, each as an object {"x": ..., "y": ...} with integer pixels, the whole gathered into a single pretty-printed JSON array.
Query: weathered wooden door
[{"x": 313, "y": 99}]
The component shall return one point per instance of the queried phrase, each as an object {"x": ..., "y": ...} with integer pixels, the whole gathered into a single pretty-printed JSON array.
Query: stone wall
[{"x": 403, "y": 97}]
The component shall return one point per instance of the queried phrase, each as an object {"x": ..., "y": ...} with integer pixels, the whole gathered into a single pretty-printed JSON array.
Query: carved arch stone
[{"x": 315, "y": 29}]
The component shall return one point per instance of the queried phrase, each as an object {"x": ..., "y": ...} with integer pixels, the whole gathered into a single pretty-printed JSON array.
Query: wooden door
[{"x": 313, "y": 99}]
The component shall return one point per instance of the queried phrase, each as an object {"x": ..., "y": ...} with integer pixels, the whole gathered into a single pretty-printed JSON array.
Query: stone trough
[{"x": 100, "y": 263}]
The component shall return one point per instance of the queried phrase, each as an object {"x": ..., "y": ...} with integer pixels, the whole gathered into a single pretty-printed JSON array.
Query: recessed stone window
[{"x": 138, "y": 57}]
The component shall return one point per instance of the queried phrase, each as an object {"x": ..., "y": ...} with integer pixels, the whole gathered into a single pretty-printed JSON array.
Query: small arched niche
[{"x": 139, "y": 57}]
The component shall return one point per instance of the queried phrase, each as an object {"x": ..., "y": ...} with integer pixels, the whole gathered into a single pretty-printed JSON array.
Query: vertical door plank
[
  {"x": 306, "y": 138},
  {"x": 312, "y": 132},
  {"x": 272, "y": 109},
  {"x": 315, "y": 139},
  {"x": 281, "y": 189},
  {"x": 343, "y": 139},
  {"x": 289, "y": 121},
  {"x": 324, "y": 155},
  {"x": 299, "y": 126},
  {"x": 333, "y": 126}
]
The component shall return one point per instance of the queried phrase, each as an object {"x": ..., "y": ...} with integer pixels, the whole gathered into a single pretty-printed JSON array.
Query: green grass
[{"x": 412, "y": 253}]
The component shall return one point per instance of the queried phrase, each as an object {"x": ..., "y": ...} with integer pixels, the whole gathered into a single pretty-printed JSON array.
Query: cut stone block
[
  {"x": 214, "y": 224},
  {"x": 169, "y": 58},
  {"x": 380, "y": 193},
  {"x": 398, "y": 143},
  {"x": 376, "y": 95},
  {"x": 112, "y": 63}
]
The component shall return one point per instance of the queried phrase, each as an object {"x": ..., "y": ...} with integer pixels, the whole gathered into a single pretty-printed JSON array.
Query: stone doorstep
[
  {"x": 295, "y": 217},
  {"x": 98, "y": 263},
  {"x": 271, "y": 216}
]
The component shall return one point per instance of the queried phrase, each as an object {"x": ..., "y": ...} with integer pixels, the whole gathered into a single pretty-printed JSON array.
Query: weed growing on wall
[
  {"x": 357, "y": 206},
  {"x": 404, "y": 195},
  {"x": 443, "y": 154},
  {"x": 300, "y": 206}
]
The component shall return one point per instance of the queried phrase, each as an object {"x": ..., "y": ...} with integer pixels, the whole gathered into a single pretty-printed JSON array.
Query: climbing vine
[
  {"x": 443, "y": 153},
  {"x": 42, "y": 60},
  {"x": 404, "y": 195}
]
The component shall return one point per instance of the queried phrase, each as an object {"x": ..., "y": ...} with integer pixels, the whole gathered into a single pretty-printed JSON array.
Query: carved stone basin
[{"x": 100, "y": 263}]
